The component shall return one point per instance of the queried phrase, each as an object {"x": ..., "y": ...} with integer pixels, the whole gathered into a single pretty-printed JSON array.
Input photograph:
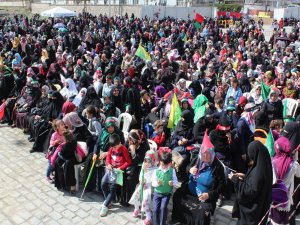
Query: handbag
[{"x": 23, "y": 110}]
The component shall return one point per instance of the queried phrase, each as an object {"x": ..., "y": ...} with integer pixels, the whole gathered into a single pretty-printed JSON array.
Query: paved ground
[{"x": 27, "y": 198}]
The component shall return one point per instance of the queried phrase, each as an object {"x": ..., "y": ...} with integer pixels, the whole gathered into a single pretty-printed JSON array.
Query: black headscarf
[
  {"x": 260, "y": 121},
  {"x": 91, "y": 98},
  {"x": 196, "y": 86},
  {"x": 292, "y": 132},
  {"x": 117, "y": 100},
  {"x": 53, "y": 109},
  {"x": 185, "y": 123}
]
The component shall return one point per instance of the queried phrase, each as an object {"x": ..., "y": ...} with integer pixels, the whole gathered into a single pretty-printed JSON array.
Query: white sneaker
[{"x": 104, "y": 211}]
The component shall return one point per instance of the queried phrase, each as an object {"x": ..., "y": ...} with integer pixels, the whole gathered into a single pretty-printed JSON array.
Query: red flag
[
  {"x": 206, "y": 143},
  {"x": 199, "y": 18},
  {"x": 2, "y": 108}
]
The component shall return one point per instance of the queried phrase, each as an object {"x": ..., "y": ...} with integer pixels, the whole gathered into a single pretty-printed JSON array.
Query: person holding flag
[
  {"x": 195, "y": 201},
  {"x": 183, "y": 137},
  {"x": 273, "y": 106}
]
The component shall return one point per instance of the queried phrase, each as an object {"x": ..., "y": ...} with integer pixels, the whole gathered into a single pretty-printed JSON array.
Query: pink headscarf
[
  {"x": 72, "y": 121},
  {"x": 283, "y": 157}
]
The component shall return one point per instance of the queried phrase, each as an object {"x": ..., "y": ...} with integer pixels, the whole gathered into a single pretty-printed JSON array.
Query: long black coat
[{"x": 254, "y": 192}]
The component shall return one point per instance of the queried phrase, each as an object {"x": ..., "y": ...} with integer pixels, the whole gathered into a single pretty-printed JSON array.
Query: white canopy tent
[{"x": 58, "y": 12}]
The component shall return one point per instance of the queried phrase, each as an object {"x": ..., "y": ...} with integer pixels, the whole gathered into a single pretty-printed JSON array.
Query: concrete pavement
[{"x": 26, "y": 198}]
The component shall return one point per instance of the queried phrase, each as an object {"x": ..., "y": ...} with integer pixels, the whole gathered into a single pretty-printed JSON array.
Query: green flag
[
  {"x": 175, "y": 113},
  {"x": 197, "y": 25},
  {"x": 184, "y": 39},
  {"x": 142, "y": 185},
  {"x": 142, "y": 53},
  {"x": 119, "y": 173},
  {"x": 284, "y": 108},
  {"x": 270, "y": 144},
  {"x": 265, "y": 90}
]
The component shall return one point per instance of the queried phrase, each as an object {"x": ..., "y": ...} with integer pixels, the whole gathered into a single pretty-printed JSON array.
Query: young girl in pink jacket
[{"x": 56, "y": 142}]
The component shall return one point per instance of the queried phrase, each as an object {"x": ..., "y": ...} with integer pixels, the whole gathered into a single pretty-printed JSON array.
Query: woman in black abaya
[
  {"x": 42, "y": 126},
  {"x": 253, "y": 190},
  {"x": 91, "y": 98}
]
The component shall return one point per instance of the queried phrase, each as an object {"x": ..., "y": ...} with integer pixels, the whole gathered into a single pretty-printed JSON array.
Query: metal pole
[
  {"x": 212, "y": 10},
  {"x": 109, "y": 8}
]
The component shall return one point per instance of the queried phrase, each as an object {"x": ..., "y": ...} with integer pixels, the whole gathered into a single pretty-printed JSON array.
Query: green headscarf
[{"x": 199, "y": 106}]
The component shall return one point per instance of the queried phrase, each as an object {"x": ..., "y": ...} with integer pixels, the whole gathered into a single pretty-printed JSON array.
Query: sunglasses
[{"x": 132, "y": 139}]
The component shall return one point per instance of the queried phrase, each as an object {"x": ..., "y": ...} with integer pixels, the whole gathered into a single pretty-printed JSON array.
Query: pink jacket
[{"x": 54, "y": 137}]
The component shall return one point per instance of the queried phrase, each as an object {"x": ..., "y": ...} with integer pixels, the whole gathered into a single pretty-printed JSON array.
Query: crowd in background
[{"x": 65, "y": 81}]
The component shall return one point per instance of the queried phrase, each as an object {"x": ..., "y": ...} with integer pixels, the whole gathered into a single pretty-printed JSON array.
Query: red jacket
[
  {"x": 118, "y": 158},
  {"x": 159, "y": 139}
]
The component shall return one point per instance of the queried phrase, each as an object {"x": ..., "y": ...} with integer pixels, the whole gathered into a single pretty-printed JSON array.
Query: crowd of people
[{"x": 231, "y": 97}]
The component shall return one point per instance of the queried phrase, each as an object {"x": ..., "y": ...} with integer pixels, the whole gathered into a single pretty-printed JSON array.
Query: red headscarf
[{"x": 68, "y": 107}]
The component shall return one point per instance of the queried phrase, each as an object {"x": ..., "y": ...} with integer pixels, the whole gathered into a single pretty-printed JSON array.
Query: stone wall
[
  {"x": 93, "y": 9},
  {"x": 137, "y": 10}
]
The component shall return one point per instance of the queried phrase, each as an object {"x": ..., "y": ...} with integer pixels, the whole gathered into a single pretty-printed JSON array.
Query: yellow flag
[{"x": 175, "y": 113}]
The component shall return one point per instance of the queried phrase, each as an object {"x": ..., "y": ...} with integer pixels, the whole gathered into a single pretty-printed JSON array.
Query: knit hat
[
  {"x": 117, "y": 79},
  {"x": 224, "y": 124},
  {"x": 230, "y": 107},
  {"x": 110, "y": 121},
  {"x": 184, "y": 100}
]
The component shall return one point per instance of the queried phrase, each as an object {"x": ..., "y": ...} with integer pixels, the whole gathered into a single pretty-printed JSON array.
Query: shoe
[
  {"x": 32, "y": 150},
  {"x": 220, "y": 201},
  {"x": 31, "y": 139},
  {"x": 135, "y": 213},
  {"x": 104, "y": 211},
  {"x": 174, "y": 222},
  {"x": 52, "y": 176},
  {"x": 13, "y": 125},
  {"x": 51, "y": 181},
  {"x": 147, "y": 222},
  {"x": 125, "y": 204},
  {"x": 25, "y": 131},
  {"x": 72, "y": 190}
]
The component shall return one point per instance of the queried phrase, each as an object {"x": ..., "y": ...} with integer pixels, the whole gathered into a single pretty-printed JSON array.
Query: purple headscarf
[{"x": 160, "y": 92}]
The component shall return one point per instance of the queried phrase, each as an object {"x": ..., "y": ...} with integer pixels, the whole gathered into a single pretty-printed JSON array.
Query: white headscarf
[
  {"x": 78, "y": 97},
  {"x": 71, "y": 90}
]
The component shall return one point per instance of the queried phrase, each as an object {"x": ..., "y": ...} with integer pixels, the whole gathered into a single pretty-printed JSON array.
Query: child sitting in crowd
[
  {"x": 158, "y": 135},
  {"x": 94, "y": 124},
  {"x": 118, "y": 157}
]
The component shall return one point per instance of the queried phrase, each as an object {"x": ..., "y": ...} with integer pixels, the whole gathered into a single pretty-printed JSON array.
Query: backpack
[{"x": 279, "y": 191}]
